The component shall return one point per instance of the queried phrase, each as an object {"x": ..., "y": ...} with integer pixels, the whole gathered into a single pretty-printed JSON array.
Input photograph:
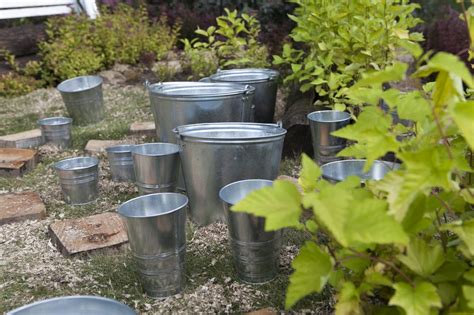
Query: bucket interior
[
  {"x": 237, "y": 191},
  {"x": 241, "y": 76},
  {"x": 340, "y": 170},
  {"x": 76, "y": 163},
  {"x": 200, "y": 89},
  {"x": 120, "y": 148},
  {"x": 55, "y": 121},
  {"x": 153, "y": 205},
  {"x": 79, "y": 84},
  {"x": 329, "y": 116},
  {"x": 231, "y": 131},
  {"x": 156, "y": 149}
]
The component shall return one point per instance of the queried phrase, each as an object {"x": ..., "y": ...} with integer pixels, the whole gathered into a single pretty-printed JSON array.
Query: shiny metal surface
[
  {"x": 216, "y": 154},
  {"x": 79, "y": 179},
  {"x": 56, "y": 130},
  {"x": 74, "y": 305},
  {"x": 265, "y": 83},
  {"x": 83, "y": 99},
  {"x": 157, "y": 235},
  {"x": 156, "y": 167},
  {"x": 121, "y": 162},
  {"x": 339, "y": 170},
  {"x": 255, "y": 252},
  {"x": 322, "y": 123}
]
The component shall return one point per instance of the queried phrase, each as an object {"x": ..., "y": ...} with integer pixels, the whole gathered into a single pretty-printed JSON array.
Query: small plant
[
  {"x": 232, "y": 44},
  {"x": 340, "y": 40},
  {"x": 13, "y": 84}
]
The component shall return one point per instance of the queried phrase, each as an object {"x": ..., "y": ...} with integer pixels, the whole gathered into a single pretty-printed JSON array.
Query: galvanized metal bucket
[
  {"x": 56, "y": 130},
  {"x": 157, "y": 236},
  {"x": 339, "y": 170},
  {"x": 79, "y": 179},
  {"x": 265, "y": 83},
  {"x": 156, "y": 167},
  {"x": 83, "y": 99},
  {"x": 322, "y": 123},
  {"x": 74, "y": 305},
  {"x": 216, "y": 154},
  {"x": 121, "y": 162},
  {"x": 255, "y": 252}
]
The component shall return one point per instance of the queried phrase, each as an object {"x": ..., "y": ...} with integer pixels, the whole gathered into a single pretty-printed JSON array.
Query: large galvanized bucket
[
  {"x": 156, "y": 167},
  {"x": 157, "y": 235},
  {"x": 74, "y": 305},
  {"x": 79, "y": 179},
  {"x": 216, "y": 154},
  {"x": 339, "y": 170},
  {"x": 56, "y": 130},
  {"x": 265, "y": 83},
  {"x": 255, "y": 252},
  {"x": 325, "y": 145},
  {"x": 121, "y": 162},
  {"x": 83, "y": 99}
]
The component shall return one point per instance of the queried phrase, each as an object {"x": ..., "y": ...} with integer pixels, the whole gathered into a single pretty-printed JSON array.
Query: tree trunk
[{"x": 22, "y": 40}]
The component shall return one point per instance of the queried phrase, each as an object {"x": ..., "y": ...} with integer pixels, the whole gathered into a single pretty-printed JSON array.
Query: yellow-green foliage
[{"x": 14, "y": 84}]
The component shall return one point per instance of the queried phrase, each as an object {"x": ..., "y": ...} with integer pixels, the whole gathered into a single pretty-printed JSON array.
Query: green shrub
[
  {"x": 343, "y": 39},
  {"x": 14, "y": 84},
  {"x": 231, "y": 44}
]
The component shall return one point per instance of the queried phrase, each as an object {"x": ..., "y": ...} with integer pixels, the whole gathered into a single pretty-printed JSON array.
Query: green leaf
[
  {"x": 468, "y": 291},
  {"x": 447, "y": 292},
  {"x": 280, "y": 205},
  {"x": 377, "y": 78},
  {"x": 443, "y": 61},
  {"x": 464, "y": 230},
  {"x": 348, "y": 300},
  {"x": 422, "y": 258},
  {"x": 310, "y": 173},
  {"x": 463, "y": 115},
  {"x": 469, "y": 275},
  {"x": 312, "y": 270},
  {"x": 447, "y": 89},
  {"x": 418, "y": 300},
  {"x": 413, "y": 106}
]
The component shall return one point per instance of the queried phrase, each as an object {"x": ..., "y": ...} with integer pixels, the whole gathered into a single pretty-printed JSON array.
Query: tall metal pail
[
  {"x": 56, "y": 130},
  {"x": 325, "y": 145},
  {"x": 121, "y": 162},
  {"x": 265, "y": 83},
  {"x": 216, "y": 154},
  {"x": 83, "y": 99},
  {"x": 339, "y": 170},
  {"x": 255, "y": 252},
  {"x": 157, "y": 235},
  {"x": 79, "y": 179}
]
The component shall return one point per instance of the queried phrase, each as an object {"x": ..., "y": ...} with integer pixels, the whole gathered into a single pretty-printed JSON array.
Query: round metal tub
[
  {"x": 339, "y": 170},
  {"x": 56, "y": 130},
  {"x": 121, "y": 162}
]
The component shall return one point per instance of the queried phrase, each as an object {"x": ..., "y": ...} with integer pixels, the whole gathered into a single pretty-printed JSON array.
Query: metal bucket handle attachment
[{"x": 249, "y": 90}]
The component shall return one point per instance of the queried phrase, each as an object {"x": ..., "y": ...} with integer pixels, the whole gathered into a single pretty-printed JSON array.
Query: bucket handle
[{"x": 148, "y": 84}]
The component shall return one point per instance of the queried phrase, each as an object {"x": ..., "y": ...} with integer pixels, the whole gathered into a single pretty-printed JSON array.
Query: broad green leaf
[
  {"x": 463, "y": 115},
  {"x": 312, "y": 270},
  {"x": 375, "y": 277},
  {"x": 413, "y": 106},
  {"x": 413, "y": 48},
  {"x": 356, "y": 264},
  {"x": 390, "y": 73},
  {"x": 280, "y": 205},
  {"x": 447, "y": 89},
  {"x": 310, "y": 173},
  {"x": 418, "y": 300},
  {"x": 468, "y": 291},
  {"x": 348, "y": 300},
  {"x": 452, "y": 269},
  {"x": 464, "y": 230},
  {"x": 447, "y": 292},
  {"x": 443, "y": 61},
  {"x": 422, "y": 258}
]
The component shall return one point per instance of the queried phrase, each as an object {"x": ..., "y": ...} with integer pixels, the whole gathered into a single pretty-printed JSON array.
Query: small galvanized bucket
[
  {"x": 56, "y": 130},
  {"x": 157, "y": 236},
  {"x": 74, "y": 305},
  {"x": 322, "y": 123},
  {"x": 121, "y": 162},
  {"x": 83, "y": 99},
  {"x": 265, "y": 83},
  {"x": 79, "y": 179},
  {"x": 339, "y": 170},
  {"x": 156, "y": 167},
  {"x": 255, "y": 252}
]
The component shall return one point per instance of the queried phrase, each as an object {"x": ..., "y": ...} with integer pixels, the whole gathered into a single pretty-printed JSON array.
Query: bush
[{"x": 14, "y": 84}]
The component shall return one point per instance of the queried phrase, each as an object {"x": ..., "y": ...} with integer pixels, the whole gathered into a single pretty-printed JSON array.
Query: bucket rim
[
  {"x": 391, "y": 165},
  {"x": 175, "y": 148},
  {"x": 120, "y": 148},
  {"x": 92, "y": 161},
  {"x": 239, "y": 182},
  {"x": 44, "y": 121},
  {"x": 220, "y": 75},
  {"x": 72, "y": 297},
  {"x": 311, "y": 115},
  {"x": 61, "y": 85},
  {"x": 166, "y": 89},
  {"x": 132, "y": 214},
  {"x": 186, "y": 130}
]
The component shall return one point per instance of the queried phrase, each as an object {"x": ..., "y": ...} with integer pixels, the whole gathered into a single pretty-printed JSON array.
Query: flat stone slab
[
  {"x": 15, "y": 162},
  {"x": 98, "y": 146},
  {"x": 22, "y": 140},
  {"x": 16, "y": 207},
  {"x": 85, "y": 234},
  {"x": 146, "y": 128}
]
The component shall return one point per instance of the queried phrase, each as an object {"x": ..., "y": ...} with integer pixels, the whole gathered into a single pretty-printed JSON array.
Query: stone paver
[
  {"x": 15, "y": 207},
  {"x": 15, "y": 162},
  {"x": 98, "y": 146},
  {"x": 85, "y": 234},
  {"x": 22, "y": 140},
  {"x": 146, "y": 128}
]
